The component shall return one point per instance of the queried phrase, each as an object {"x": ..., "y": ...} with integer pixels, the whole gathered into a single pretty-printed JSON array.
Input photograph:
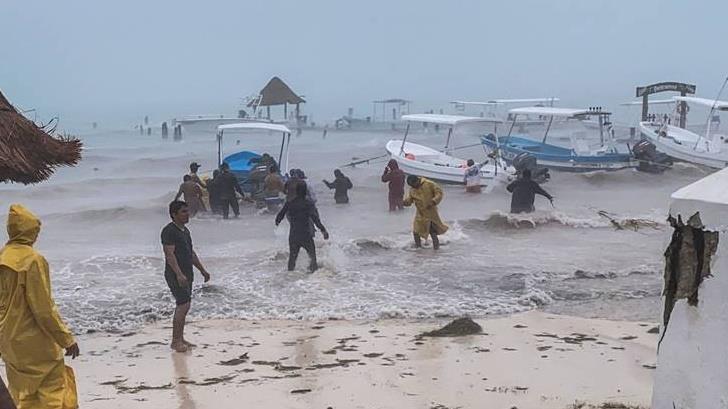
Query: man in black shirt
[
  {"x": 180, "y": 257},
  {"x": 227, "y": 185},
  {"x": 301, "y": 212},
  {"x": 524, "y": 193}
]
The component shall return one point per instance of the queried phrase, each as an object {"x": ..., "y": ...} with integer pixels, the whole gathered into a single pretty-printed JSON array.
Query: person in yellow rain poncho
[
  {"x": 32, "y": 334},
  {"x": 425, "y": 195}
]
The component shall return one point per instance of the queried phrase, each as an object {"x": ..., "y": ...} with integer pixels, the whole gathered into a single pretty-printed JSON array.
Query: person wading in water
[{"x": 426, "y": 195}]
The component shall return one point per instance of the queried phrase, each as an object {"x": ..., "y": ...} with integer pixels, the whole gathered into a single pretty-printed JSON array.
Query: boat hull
[
  {"x": 679, "y": 143},
  {"x": 422, "y": 161},
  {"x": 557, "y": 158}
]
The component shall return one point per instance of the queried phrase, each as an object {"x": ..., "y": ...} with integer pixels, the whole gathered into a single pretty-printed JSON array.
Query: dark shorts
[{"x": 182, "y": 294}]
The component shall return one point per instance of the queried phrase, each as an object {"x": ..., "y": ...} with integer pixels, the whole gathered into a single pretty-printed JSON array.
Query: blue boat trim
[{"x": 556, "y": 157}]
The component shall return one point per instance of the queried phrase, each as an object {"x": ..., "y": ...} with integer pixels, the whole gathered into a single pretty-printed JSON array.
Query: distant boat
[
  {"x": 440, "y": 165},
  {"x": 708, "y": 149},
  {"x": 580, "y": 157},
  {"x": 209, "y": 122},
  {"x": 491, "y": 106}
]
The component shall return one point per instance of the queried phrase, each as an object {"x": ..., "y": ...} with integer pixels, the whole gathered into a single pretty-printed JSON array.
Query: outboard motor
[
  {"x": 523, "y": 161},
  {"x": 650, "y": 160}
]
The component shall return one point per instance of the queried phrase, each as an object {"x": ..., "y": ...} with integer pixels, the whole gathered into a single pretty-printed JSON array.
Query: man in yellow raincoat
[
  {"x": 32, "y": 334},
  {"x": 425, "y": 195}
]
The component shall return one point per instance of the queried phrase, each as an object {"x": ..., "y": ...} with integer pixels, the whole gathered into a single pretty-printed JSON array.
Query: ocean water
[{"x": 102, "y": 219}]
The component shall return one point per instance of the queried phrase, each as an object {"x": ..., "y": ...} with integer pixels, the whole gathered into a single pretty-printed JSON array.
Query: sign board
[{"x": 664, "y": 87}]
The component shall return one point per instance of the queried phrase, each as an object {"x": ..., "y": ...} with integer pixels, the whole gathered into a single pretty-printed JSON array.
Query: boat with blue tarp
[{"x": 249, "y": 167}]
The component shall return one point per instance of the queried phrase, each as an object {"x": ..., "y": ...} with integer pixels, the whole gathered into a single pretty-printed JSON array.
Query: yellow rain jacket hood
[
  {"x": 32, "y": 334},
  {"x": 426, "y": 197}
]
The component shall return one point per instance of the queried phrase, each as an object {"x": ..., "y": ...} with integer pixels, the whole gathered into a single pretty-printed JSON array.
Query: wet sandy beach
[{"x": 528, "y": 360}]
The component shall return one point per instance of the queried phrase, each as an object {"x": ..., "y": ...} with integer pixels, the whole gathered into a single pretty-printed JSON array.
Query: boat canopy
[
  {"x": 711, "y": 103},
  {"x": 264, "y": 126},
  {"x": 450, "y": 120},
  {"x": 524, "y": 101},
  {"x": 478, "y": 103},
  {"x": 255, "y": 125},
  {"x": 494, "y": 102},
  {"x": 548, "y": 111},
  {"x": 651, "y": 102}
]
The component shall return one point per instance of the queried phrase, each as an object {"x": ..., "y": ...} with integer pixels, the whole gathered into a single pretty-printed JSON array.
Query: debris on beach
[
  {"x": 607, "y": 405},
  {"x": 143, "y": 344},
  {"x": 121, "y": 388},
  {"x": 457, "y": 328},
  {"x": 235, "y": 361},
  {"x": 628, "y": 223},
  {"x": 208, "y": 381}
]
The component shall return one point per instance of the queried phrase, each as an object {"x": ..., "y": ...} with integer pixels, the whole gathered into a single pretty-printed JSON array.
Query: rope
[{"x": 710, "y": 114}]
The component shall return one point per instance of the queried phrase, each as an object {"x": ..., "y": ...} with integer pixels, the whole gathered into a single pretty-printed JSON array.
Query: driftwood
[
  {"x": 629, "y": 223},
  {"x": 28, "y": 152}
]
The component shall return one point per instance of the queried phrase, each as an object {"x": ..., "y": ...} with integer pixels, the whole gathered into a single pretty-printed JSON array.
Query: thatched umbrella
[{"x": 28, "y": 153}]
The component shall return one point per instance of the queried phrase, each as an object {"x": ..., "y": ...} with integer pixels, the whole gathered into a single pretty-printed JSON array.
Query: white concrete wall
[{"x": 692, "y": 364}]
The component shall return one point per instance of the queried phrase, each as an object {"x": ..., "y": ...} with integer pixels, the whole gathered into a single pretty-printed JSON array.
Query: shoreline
[{"x": 530, "y": 359}]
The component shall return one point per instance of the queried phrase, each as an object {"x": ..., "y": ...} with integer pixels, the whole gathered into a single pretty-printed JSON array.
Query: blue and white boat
[
  {"x": 580, "y": 157},
  {"x": 244, "y": 163}
]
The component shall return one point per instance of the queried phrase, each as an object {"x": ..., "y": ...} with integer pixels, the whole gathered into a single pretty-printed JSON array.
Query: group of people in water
[
  {"x": 299, "y": 208},
  {"x": 34, "y": 338}
]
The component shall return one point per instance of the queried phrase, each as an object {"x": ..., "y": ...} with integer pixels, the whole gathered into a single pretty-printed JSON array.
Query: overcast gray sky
[{"x": 115, "y": 61}]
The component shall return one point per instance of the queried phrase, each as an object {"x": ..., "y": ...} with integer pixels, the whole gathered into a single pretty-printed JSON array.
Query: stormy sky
[{"x": 113, "y": 62}]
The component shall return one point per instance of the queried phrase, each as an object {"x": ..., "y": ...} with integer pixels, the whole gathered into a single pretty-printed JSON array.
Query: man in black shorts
[{"x": 179, "y": 258}]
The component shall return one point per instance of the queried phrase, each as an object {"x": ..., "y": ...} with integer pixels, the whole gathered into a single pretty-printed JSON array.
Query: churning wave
[{"x": 501, "y": 220}]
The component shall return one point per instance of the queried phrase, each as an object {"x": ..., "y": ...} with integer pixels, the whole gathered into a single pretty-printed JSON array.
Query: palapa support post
[
  {"x": 298, "y": 112},
  {"x": 683, "y": 109}
]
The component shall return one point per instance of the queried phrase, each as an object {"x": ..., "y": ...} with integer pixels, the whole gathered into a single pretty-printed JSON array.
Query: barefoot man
[
  {"x": 425, "y": 195},
  {"x": 179, "y": 257}
]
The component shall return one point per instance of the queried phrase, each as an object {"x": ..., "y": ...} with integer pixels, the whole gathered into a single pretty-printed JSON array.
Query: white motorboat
[
  {"x": 579, "y": 157},
  {"x": 440, "y": 165},
  {"x": 208, "y": 123},
  {"x": 708, "y": 149}
]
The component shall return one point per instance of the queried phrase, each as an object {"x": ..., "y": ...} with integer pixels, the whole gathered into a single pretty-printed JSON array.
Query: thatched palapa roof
[
  {"x": 28, "y": 153},
  {"x": 276, "y": 92}
]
